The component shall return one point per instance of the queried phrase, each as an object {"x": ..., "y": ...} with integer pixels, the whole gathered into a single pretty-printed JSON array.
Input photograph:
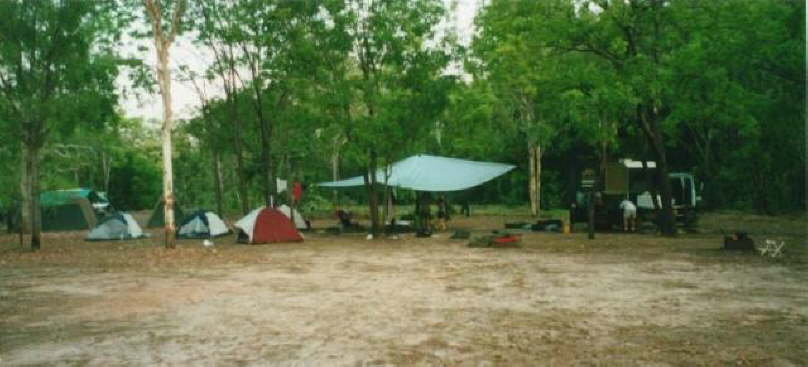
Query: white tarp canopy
[{"x": 432, "y": 173}]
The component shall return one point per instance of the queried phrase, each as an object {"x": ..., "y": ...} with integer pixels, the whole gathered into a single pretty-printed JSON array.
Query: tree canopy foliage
[
  {"x": 57, "y": 69},
  {"x": 315, "y": 90}
]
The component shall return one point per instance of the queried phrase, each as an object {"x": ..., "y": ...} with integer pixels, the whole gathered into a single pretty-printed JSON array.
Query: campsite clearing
[{"x": 342, "y": 300}]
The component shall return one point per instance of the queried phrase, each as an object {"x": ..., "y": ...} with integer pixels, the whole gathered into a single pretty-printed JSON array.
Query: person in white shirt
[{"x": 629, "y": 215}]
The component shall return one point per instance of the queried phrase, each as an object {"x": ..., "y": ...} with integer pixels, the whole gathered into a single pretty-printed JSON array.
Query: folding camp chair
[{"x": 772, "y": 248}]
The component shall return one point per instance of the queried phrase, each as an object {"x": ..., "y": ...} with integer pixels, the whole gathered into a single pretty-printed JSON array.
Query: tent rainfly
[
  {"x": 266, "y": 225},
  {"x": 432, "y": 173},
  {"x": 118, "y": 226},
  {"x": 297, "y": 219},
  {"x": 202, "y": 224},
  {"x": 75, "y": 214}
]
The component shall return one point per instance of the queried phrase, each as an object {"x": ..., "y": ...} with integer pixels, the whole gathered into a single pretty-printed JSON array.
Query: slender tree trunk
[
  {"x": 373, "y": 200},
  {"x": 390, "y": 205},
  {"x": 265, "y": 127},
  {"x": 25, "y": 190},
  {"x": 32, "y": 170},
  {"x": 388, "y": 201},
  {"x": 604, "y": 158},
  {"x": 162, "y": 43},
  {"x": 597, "y": 186},
  {"x": 36, "y": 215},
  {"x": 106, "y": 166},
  {"x": 650, "y": 123},
  {"x": 590, "y": 214},
  {"x": 706, "y": 178},
  {"x": 266, "y": 176},
  {"x": 229, "y": 80},
  {"x": 370, "y": 193},
  {"x": 215, "y": 155},
  {"x": 241, "y": 177},
  {"x": 21, "y": 238},
  {"x": 164, "y": 76},
  {"x": 335, "y": 174},
  {"x": 239, "y": 152},
  {"x": 534, "y": 210},
  {"x": 534, "y": 184},
  {"x": 339, "y": 140},
  {"x": 668, "y": 218},
  {"x": 668, "y": 223},
  {"x": 217, "y": 180},
  {"x": 417, "y": 207},
  {"x": 538, "y": 154}
]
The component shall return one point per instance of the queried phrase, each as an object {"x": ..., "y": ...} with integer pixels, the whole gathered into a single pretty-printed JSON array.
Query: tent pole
[
  {"x": 387, "y": 202},
  {"x": 22, "y": 239}
]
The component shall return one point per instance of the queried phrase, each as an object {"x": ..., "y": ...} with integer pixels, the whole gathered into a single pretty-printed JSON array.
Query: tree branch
[
  {"x": 176, "y": 18},
  {"x": 589, "y": 49}
]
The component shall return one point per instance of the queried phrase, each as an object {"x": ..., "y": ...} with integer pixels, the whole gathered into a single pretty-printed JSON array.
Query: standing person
[
  {"x": 465, "y": 208},
  {"x": 443, "y": 213},
  {"x": 629, "y": 215},
  {"x": 424, "y": 214}
]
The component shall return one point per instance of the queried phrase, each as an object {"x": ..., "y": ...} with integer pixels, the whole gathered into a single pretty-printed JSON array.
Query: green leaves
[
  {"x": 516, "y": 61},
  {"x": 712, "y": 72},
  {"x": 56, "y": 66},
  {"x": 393, "y": 81}
]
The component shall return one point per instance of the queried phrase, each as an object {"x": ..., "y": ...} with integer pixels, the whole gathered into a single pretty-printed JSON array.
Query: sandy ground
[{"x": 344, "y": 301}]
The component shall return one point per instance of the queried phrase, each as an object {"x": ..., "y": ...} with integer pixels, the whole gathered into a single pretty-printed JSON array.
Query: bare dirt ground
[{"x": 345, "y": 301}]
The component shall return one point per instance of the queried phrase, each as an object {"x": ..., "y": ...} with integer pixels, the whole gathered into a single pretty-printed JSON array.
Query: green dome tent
[
  {"x": 68, "y": 210},
  {"x": 68, "y": 215}
]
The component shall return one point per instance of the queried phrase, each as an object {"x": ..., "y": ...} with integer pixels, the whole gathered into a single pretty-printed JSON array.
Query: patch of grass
[{"x": 793, "y": 225}]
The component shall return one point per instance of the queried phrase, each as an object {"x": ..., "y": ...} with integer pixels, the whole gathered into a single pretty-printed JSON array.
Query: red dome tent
[{"x": 267, "y": 225}]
